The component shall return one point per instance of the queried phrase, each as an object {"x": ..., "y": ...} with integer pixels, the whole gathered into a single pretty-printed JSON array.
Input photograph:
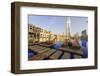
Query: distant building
[
  {"x": 61, "y": 37},
  {"x": 52, "y": 36},
  {"x": 84, "y": 35}
]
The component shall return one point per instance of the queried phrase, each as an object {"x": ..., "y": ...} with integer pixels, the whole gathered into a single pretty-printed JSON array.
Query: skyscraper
[{"x": 68, "y": 26}]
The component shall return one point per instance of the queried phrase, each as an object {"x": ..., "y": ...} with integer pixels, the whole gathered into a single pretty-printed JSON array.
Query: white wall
[{"x": 5, "y": 42}]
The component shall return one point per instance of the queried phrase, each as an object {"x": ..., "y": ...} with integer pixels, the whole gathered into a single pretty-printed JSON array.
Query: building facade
[
  {"x": 44, "y": 35},
  {"x": 36, "y": 34}
]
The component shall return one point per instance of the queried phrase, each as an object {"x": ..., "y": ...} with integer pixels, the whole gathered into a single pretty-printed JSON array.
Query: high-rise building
[
  {"x": 68, "y": 27},
  {"x": 84, "y": 35}
]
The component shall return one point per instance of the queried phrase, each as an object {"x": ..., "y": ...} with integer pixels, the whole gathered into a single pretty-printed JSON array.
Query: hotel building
[{"x": 36, "y": 34}]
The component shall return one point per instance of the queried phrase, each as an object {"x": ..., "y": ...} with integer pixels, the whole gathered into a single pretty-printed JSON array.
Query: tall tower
[{"x": 68, "y": 27}]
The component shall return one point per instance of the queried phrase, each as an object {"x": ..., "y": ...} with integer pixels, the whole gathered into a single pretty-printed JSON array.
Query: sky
[{"x": 57, "y": 24}]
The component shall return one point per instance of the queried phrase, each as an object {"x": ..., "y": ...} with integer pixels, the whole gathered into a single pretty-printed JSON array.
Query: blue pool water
[
  {"x": 31, "y": 53},
  {"x": 58, "y": 44},
  {"x": 84, "y": 48}
]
